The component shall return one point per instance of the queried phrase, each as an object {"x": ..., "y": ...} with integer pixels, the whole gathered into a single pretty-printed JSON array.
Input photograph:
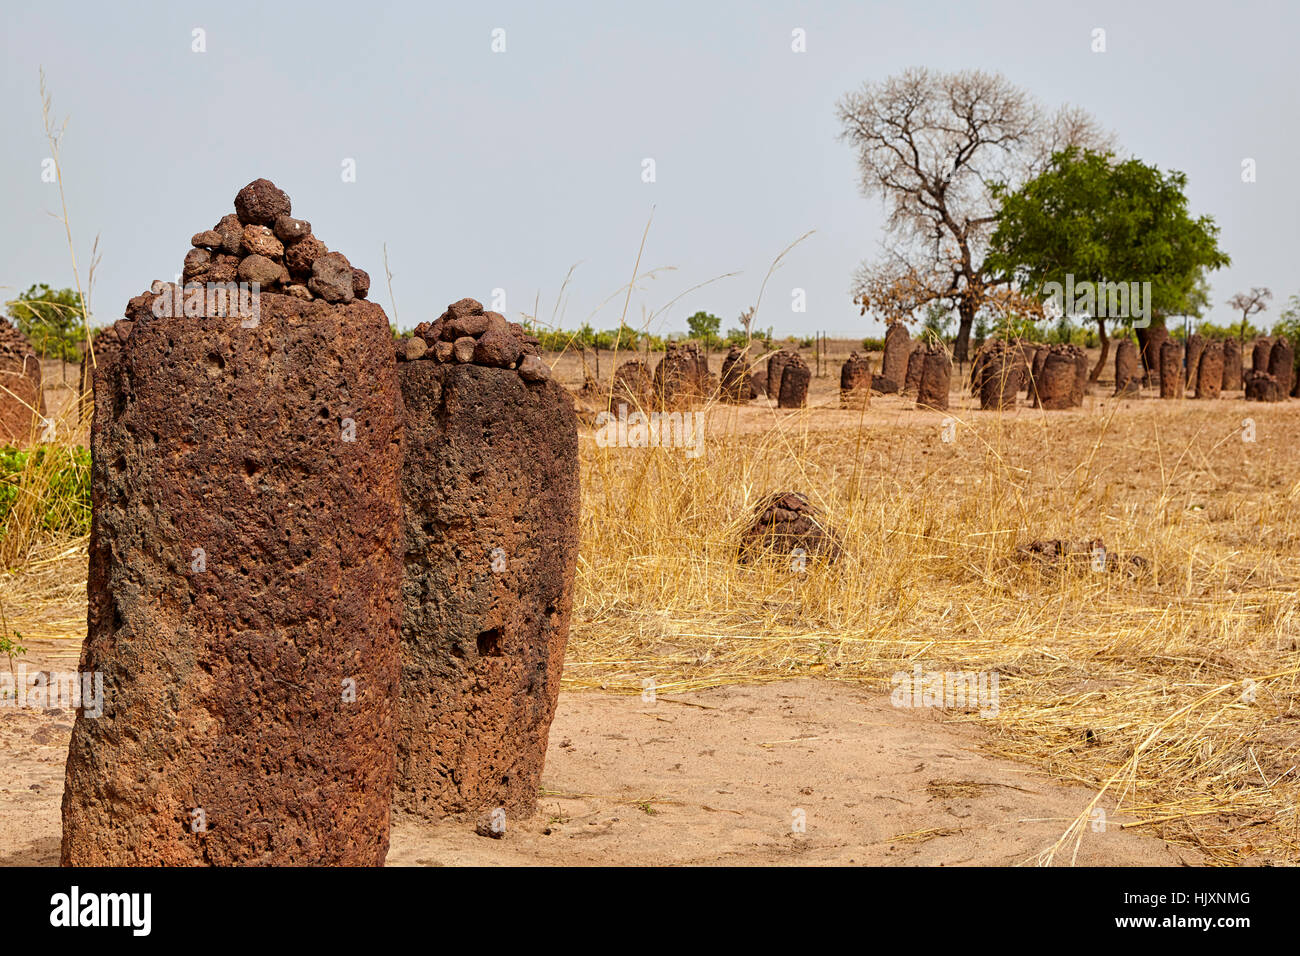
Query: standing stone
[
  {"x": 734, "y": 384},
  {"x": 1260, "y": 353},
  {"x": 1151, "y": 340},
  {"x": 1231, "y": 365},
  {"x": 912, "y": 377},
  {"x": 1036, "y": 365},
  {"x": 682, "y": 379},
  {"x": 1195, "y": 348},
  {"x": 633, "y": 385},
  {"x": 855, "y": 382},
  {"x": 999, "y": 379},
  {"x": 22, "y": 398},
  {"x": 490, "y": 492},
  {"x": 1209, "y": 374},
  {"x": 936, "y": 377},
  {"x": 1080, "y": 375},
  {"x": 1171, "y": 369},
  {"x": 1128, "y": 373},
  {"x": 1281, "y": 364},
  {"x": 893, "y": 366},
  {"x": 775, "y": 367},
  {"x": 1057, "y": 379},
  {"x": 794, "y": 383},
  {"x": 245, "y": 567}
]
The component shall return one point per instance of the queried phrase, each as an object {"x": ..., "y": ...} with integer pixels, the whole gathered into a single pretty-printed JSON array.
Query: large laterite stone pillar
[
  {"x": 244, "y": 589},
  {"x": 490, "y": 492}
]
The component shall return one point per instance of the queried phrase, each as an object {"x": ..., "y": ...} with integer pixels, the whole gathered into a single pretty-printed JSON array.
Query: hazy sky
[{"x": 485, "y": 170}]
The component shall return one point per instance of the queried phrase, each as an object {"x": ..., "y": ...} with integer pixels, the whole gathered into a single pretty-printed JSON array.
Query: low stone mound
[
  {"x": 466, "y": 334},
  {"x": 786, "y": 523},
  {"x": 795, "y": 378},
  {"x": 855, "y": 381},
  {"x": 1262, "y": 387},
  {"x": 22, "y": 398}
]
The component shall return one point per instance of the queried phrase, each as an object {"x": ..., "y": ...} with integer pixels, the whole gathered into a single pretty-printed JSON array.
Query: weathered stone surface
[
  {"x": 855, "y": 382},
  {"x": 776, "y": 364},
  {"x": 999, "y": 375},
  {"x": 262, "y": 270},
  {"x": 1057, "y": 382},
  {"x": 22, "y": 400},
  {"x": 289, "y": 230},
  {"x": 261, "y": 203},
  {"x": 1262, "y": 387},
  {"x": 1209, "y": 372},
  {"x": 682, "y": 378},
  {"x": 633, "y": 385},
  {"x": 1260, "y": 353},
  {"x": 260, "y": 240},
  {"x": 331, "y": 278},
  {"x": 1151, "y": 340},
  {"x": 498, "y": 348},
  {"x": 936, "y": 378},
  {"x": 302, "y": 255},
  {"x": 490, "y": 491},
  {"x": 786, "y": 524},
  {"x": 893, "y": 365},
  {"x": 734, "y": 384},
  {"x": 1171, "y": 369},
  {"x": 1195, "y": 347},
  {"x": 1128, "y": 369},
  {"x": 1281, "y": 364},
  {"x": 795, "y": 378},
  {"x": 252, "y": 681},
  {"x": 912, "y": 377},
  {"x": 1231, "y": 365}
]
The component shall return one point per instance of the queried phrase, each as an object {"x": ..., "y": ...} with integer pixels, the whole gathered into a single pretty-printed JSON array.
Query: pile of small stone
[
  {"x": 262, "y": 243},
  {"x": 467, "y": 335},
  {"x": 786, "y": 523}
]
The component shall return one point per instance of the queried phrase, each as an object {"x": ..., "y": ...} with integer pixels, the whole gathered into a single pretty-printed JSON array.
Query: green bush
[{"x": 58, "y": 478}]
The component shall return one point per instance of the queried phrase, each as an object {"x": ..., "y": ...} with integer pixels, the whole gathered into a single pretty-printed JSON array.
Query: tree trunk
[
  {"x": 966, "y": 313},
  {"x": 1105, "y": 350}
]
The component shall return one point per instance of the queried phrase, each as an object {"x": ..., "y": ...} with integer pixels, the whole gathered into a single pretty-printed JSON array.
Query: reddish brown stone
[
  {"x": 912, "y": 377},
  {"x": 1080, "y": 375},
  {"x": 936, "y": 378},
  {"x": 787, "y": 525},
  {"x": 490, "y": 490},
  {"x": 795, "y": 378},
  {"x": 1281, "y": 364},
  {"x": 734, "y": 385},
  {"x": 1128, "y": 370},
  {"x": 893, "y": 365},
  {"x": 105, "y": 347},
  {"x": 248, "y": 686},
  {"x": 1260, "y": 353},
  {"x": 1231, "y": 365},
  {"x": 261, "y": 203},
  {"x": 633, "y": 385},
  {"x": 1209, "y": 372},
  {"x": 1262, "y": 387},
  {"x": 776, "y": 364},
  {"x": 1151, "y": 340},
  {"x": 682, "y": 378},
  {"x": 22, "y": 399},
  {"x": 1057, "y": 382},
  {"x": 1192, "y": 360},
  {"x": 855, "y": 381},
  {"x": 1171, "y": 369},
  {"x": 999, "y": 376}
]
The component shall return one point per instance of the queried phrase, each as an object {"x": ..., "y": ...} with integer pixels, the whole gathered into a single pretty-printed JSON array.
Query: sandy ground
[{"x": 715, "y": 777}]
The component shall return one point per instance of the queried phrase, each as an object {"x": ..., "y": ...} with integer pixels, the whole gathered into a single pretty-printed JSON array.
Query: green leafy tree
[
  {"x": 1100, "y": 220},
  {"x": 52, "y": 320},
  {"x": 704, "y": 327}
]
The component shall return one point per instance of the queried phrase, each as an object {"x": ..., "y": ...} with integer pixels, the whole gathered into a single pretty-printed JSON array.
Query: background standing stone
[
  {"x": 893, "y": 365},
  {"x": 1171, "y": 369},
  {"x": 1231, "y": 365},
  {"x": 776, "y": 364},
  {"x": 936, "y": 376},
  {"x": 855, "y": 381},
  {"x": 794, "y": 383},
  {"x": 1281, "y": 364},
  {"x": 22, "y": 400},
  {"x": 1128, "y": 371},
  {"x": 1209, "y": 374}
]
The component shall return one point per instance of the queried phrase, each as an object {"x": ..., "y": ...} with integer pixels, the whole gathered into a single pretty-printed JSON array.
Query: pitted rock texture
[
  {"x": 794, "y": 383},
  {"x": 1232, "y": 365},
  {"x": 893, "y": 365},
  {"x": 1281, "y": 364},
  {"x": 1209, "y": 372},
  {"x": 466, "y": 334},
  {"x": 855, "y": 382},
  {"x": 1171, "y": 369},
  {"x": 22, "y": 399},
  {"x": 1128, "y": 369},
  {"x": 936, "y": 378},
  {"x": 786, "y": 524},
  {"x": 490, "y": 493},
  {"x": 682, "y": 378},
  {"x": 1262, "y": 387},
  {"x": 776, "y": 364},
  {"x": 244, "y": 593},
  {"x": 735, "y": 385},
  {"x": 262, "y": 243}
]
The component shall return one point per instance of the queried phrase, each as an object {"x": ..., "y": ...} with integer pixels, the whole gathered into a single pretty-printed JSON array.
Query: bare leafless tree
[
  {"x": 1249, "y": 303},
  {"x": 934, "y": 146}
]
